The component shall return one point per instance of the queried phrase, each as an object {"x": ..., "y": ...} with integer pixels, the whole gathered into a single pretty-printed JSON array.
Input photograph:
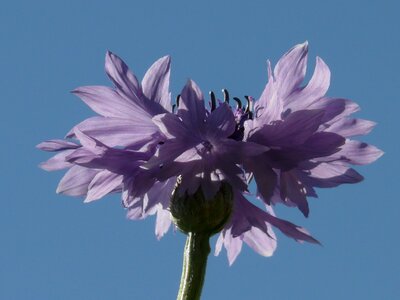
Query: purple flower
[{"x": 291, "y": 140}]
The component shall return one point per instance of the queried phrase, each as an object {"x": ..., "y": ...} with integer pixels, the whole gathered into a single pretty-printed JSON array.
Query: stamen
[
  {"x": 239, "y": 103},
  {"x": 178, "y": 98},
  {"x": 249, "y": 106},
  {"x": 173, "y": 108},
  {"x": 226, "y": 95},
  {"x": 213, "y": 101}
]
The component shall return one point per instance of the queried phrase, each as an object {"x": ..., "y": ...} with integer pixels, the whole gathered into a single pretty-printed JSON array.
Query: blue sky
[{"x": 56, "y": 247}]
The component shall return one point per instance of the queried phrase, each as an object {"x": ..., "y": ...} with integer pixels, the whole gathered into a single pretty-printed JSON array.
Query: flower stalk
[
  {"x": 195, "y": 256},
  {"x": 199, "y": 218}
]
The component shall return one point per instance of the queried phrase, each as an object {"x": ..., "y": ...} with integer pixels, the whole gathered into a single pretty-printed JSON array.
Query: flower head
[{"x": 291, "y": 140}]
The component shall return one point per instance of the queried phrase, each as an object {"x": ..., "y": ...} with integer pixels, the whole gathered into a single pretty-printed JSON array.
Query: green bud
[{"x": 195, "y": 214}]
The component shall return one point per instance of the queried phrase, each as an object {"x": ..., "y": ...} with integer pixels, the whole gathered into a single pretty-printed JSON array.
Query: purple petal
[
  {"x": 264, "y": 176},
  {"x": 191, "y": 106},
  {"x": 172, "y": 126},
  {"x": 351, "y": 127},
  {"x": 155, "y": 82},
  {"x": 232, "y": 245},
  {"x": 117, "y": 132},
  {"x": 321, "y": 144},
  {"x": 331, "y": 174},
  {"x": 314, "y": 90},
  {"x": 294, "y": 130},
  {"x": 103, "y": 183},
  {"x": 163, "y": 222},
  {"x": 167, "y": 152},
  {"x": 292, "y": 189},
  {"x": 246, "y": 215},
  {"x": 238, "y": 151},
  {"x": 221, "y": 122},
  {"x": 264, "y": 244},
  {"x": 56, "y": 145},
  {"x": 160, "y": 193},
  {"x": 268, "y": 107},
  {"x": 359, "y": 153},
  {"x": 57, "y": 162},
  {"x": 290, "y": 70},
  {"x": 76, "y": 181},
  {"x": 121, "y": 76},
  {"x": 289, "y": 229},
  {"x": 349, "y": 107},
  {"x": 108, "y": 103},
  {"x": 247, "y": 225}
]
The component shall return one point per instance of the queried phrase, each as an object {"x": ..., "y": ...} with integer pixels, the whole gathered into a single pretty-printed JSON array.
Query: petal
[
  {"x": 135, "y": 212},
  {"x": 334, "y": 108},
  {"x": 349, "y": 107},
  {"x": 221, "y": 122},
  {"x": 103, "y": 183},
  {"x": 331, "y": 174},
  {"x": 191, "y": 107},
  {"x": 321, "y": 144},
  {"x": 121, "y": 76},
  {"x": 351, "y": 127},
  {"x": 295, "y": 129},
  {"x": 314, "y": 90},
  {"x": 117, "y": 132},
  {"x": 289, "y": 229},
  {"x": 56, "y": 145},
  {"x": 238, "y": 151},
  {"x": 76, "y": 181},
  {"x": 167, "y": 153},
  {"x": 246, "y": 215},
  {"x": 57, "y": 162},
  {"x": 264, "y": 244},
  {"x": 264, "y": 176},
  {"x": 218, "y": 244},
  {"x": 232, "y": 245},
  {"x": 108, "y": 103},
  {"x": 163, "y": 222},
  {"x": 155, "y": 82},
  {"x": 292, "y": 189},
  {"x": 172, "y": 126},
  {"x": 290, "y": 70},
  {"x": 160, "y": 194},
  {"x": 359, "y": 153},
  {"x": 269, "y": 106}
]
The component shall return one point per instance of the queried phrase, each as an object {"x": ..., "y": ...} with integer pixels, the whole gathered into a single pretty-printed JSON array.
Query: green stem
[{"x": 195, "y": 256}]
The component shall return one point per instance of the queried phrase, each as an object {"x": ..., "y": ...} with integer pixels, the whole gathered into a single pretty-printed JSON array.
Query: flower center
[
  {"x": 207, "y": 146},
  {"x": 241, "y": 113}
]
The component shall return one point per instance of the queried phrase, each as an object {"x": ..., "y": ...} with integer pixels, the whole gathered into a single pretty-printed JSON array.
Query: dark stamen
[
  {"x": 173, "y": 108},
  {"x": 213, "y": 101},
  {"x": 239, "y": 103},
  {"x": 249, "y": 107},
  {"x": 178, "y": 98},
  {"x": 226, "y": 95},
  {"x": 249, "y": 102}
]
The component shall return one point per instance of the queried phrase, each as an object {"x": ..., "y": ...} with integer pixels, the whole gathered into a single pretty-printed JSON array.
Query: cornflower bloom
[{"x": 193, "y": 164}]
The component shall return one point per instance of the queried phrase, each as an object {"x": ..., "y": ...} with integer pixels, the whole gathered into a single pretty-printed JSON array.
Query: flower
[{"x": 291, "y": 140}]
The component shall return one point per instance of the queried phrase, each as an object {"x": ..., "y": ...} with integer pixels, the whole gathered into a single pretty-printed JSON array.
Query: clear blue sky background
[{"x": 56, "y": 247}]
